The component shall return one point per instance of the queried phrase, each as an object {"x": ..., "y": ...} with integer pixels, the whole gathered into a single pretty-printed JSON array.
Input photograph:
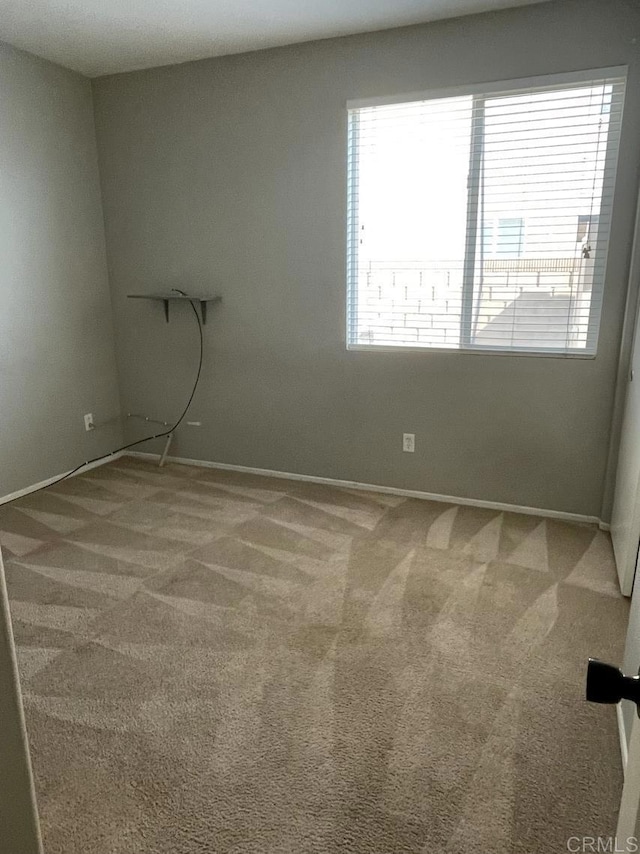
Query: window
[
  {"x": 480, "y": 221},
  {"x": 503, "y": 237}
]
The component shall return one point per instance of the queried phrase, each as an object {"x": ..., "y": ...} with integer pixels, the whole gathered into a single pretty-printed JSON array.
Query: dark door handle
[{"x": 608, "y": 684}]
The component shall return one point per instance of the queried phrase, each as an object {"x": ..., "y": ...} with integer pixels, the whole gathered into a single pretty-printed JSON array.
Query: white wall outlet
[
  {"x": 88, "y": 422},
  {"x": 409, "y": 442},
  {"x": 194, "y": 423}
]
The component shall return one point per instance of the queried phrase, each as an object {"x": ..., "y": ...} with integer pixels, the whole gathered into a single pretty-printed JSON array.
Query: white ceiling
[{"x": 99, "y": 37}]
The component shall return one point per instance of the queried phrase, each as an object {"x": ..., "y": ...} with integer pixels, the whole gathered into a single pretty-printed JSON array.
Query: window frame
[{"x": 479, "y": 92}]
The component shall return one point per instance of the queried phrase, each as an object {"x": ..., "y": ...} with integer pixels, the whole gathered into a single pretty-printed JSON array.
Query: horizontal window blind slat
[{"x": 585, "y": 93}]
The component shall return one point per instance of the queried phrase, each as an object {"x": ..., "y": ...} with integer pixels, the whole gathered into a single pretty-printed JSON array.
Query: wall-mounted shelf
[{"x": 167, "y": 298}]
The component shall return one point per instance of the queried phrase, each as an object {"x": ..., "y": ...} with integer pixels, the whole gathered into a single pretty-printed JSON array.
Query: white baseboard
[
  {"x": 373, "y": 487},
  {"x": 329, "y": 481},
  {"x": 624, "y": 750},
  {"x": 4, "y": 499}
]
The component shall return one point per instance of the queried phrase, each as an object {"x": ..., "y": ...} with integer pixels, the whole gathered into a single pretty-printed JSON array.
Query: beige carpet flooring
[{"x": 218, "y": 662}]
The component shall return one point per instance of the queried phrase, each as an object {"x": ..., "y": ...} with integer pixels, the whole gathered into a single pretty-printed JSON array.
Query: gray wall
[
  {"x": 57, "y": 358},
  {"x": 229, "y": 175},
  {"x": 19, "y": 831}
]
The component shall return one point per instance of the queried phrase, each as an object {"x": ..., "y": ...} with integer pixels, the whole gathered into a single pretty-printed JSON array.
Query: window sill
[{"x": 538, "y": 354}]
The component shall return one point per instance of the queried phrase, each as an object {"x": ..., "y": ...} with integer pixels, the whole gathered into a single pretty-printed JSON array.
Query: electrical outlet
[
  {"x": 88, "y": 422},
  {"x": 409, "y": 442},
  {"x": 194, "y": 423}
]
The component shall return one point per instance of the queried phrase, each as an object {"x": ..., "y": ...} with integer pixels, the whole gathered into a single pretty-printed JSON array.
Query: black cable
[{"x": 147, "y": 438}]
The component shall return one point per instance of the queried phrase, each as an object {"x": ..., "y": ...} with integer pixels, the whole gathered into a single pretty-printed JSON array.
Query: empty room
[{"x": 320, "y": 427}]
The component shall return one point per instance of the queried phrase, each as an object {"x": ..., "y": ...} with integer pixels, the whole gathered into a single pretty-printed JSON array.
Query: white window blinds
[{"x": 481, "y": 221}]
